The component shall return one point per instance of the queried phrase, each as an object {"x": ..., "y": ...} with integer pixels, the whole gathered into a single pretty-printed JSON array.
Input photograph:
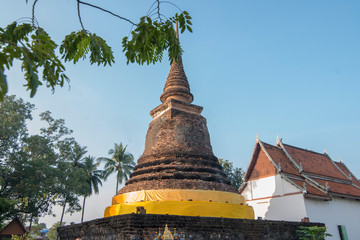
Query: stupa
[
  {"x": 178, "y": 173},
  {"x": 178, "y": 182}
]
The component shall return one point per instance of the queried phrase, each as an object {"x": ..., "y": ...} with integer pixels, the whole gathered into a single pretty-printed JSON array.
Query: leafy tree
[
  {"x": 35, "y": 170},
  {"x": 35, "y": 230},
  {"x": 312, "y": 233},
  {"x": 6, "y": 207},
  {"x": 93, "y": 179},
  {"x": 52, "y": 234},
  {"x": 74, "y": 178},
  {"x": 120, "y": 162},
  {"x": 34, "y": 48},
  {"x": 21, "y": 237},
  {"x": 13, "y": 116},
  {"x": 234, "y": 174}
]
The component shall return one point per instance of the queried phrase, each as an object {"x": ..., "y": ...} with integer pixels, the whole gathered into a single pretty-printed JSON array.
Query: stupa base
[
  {"x": 146, "y": 226},
  {"x": 184, "y": 208}
]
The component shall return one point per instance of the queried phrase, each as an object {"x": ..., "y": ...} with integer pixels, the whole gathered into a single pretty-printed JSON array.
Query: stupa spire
[{"x": 177, "y": 86}]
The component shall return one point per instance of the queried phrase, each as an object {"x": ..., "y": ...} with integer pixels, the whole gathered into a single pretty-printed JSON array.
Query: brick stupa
[
  {"x": 178, "y": 173},
  {"x": 178, "y": 154}
]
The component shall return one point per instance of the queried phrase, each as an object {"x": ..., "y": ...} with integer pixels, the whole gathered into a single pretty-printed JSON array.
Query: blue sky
[{"x": 273, "y": 68}]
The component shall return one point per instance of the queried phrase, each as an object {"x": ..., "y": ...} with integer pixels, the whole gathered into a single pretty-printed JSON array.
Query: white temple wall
[
  {"x": 289, "y": 208},
  {"x": 274, "y": 198},
  {"x": 338, "y": 211}
]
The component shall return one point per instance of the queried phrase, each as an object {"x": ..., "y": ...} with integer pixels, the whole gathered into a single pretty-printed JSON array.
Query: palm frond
[{"x": 120, "y": 162}]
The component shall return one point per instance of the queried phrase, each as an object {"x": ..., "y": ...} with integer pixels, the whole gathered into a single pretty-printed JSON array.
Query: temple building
[
  {"x": 288, "y": 183},
  {"x": 14, "y": 228},
  {"x": 178, "y": 173}
]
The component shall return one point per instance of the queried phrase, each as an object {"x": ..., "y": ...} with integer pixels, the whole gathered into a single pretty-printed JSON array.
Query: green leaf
[
  {"x": 78, "y": 45},
  {"x": 3, "y": 85},
  {"x": 35, "y": 49},
  {"x": 31, "y": 76},
  {"x": 189, "y": 28}
]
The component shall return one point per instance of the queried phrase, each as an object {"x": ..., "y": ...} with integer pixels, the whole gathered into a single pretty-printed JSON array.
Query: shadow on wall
[
  {"x": 250, "y": 195},
  {"x": 287, "y": 203},
  {"x": 275, "y": 210}
]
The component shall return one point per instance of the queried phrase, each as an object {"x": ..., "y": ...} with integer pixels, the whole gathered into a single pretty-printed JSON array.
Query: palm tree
[
  {"x": 72, "y": 154},
  {"x": 78, "y": 156},
  {"x": 120, "y": 162},
  {"x": 94, "y": 177}
]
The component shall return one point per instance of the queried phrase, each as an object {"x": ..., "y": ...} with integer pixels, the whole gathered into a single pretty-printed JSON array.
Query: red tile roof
[
  {"x": 340, "y": 188},
  {"x": 315, "y": 169},
  {"x": 278, "y": 156},
  {"x": 313, "y": 162},
  {"x": 310, "y": 188},
  {"x": 346, "y": 171}
]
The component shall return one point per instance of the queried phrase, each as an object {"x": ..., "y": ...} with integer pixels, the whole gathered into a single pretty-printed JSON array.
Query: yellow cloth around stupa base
[{"x": 183, "y": 202}]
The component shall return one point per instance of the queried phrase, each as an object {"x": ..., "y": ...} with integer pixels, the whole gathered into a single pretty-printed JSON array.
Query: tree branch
[
  {"x": 33, "y": 13},
  {"x": 104, "y": 10},
  {"x": 172, "y": 4},
  {"x": 79, "y": 15},
  {"x": 151, "y": 13},
  {"x": 158, "y": 10},
  {"x": 150, "y": 8}
]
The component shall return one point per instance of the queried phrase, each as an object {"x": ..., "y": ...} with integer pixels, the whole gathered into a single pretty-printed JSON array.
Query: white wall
[
  {"x": 271, "y": 200},
  {"x": 264, "y": 187},
  {"x": 289, "y": 208},
  {"x": 336, "y": 212}
]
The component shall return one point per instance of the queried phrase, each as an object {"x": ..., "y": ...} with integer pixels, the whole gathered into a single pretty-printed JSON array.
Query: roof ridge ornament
[
  {"x": 338, "y": 168},
  {"x": 301, "y": 168},
  {"x": 313, "y": 183},
  {"x": 350, "y": 173},
  {"x": 304, "y": 185},
  {"x": 288, "y": 155},
  {"x": 279, "y": 167},
  {"x": 327, "y": 187},
  {"x": 278, "y": 140}
]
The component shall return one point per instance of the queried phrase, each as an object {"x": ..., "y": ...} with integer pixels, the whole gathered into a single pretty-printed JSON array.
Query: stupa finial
[{"x": 177, "y": 86}]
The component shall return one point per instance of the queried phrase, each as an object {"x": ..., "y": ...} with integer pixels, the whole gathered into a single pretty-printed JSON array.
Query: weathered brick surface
[
  {"x": 177, "y": 85},
  {"x": 178, "y": 154},
  {"x": 144, "y": 227}
]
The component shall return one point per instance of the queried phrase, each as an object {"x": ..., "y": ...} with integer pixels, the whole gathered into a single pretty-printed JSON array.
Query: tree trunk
[
  {"x": 31, "y": 220},
  {"x": 62, "y": 217},
  {"x": 117, "y": 183},
  {"x": 62, "y": 214},
  {"x": 83, "y": 209}
]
